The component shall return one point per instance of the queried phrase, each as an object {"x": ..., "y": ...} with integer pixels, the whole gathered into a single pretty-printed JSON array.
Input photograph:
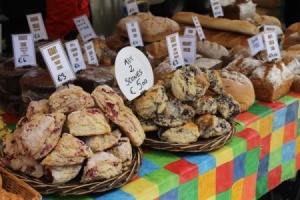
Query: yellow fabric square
[
  {"x": 222, "y": 155},
  {"x": 277, "y": 139},
  {"x": 265, "y": 125},
  {"x": 207, "y": 185},
  {"x": 142, "y": 189},
  {"x": 237, "y": 190},
  {"x": 212, "y": 198},
  {"x": 298, "y": 145},
  {"x": 254, "y": 125}
]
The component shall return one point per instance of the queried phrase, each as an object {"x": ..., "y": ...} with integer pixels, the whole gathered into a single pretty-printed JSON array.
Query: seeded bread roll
[{"x": 211, "y": 50}]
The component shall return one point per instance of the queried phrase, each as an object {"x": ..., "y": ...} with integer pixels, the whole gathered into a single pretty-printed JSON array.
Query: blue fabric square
[
  {"x": 172, "y": 194},
  {"x": 263, "y": 166},
  {"x": 204, "y": 161},
  {"x": 279, "y": 118},
  {"x": 114, "y": 194},
  {"x": 292, "y": 112},
  {"x": 288, "y": 151},
  {"x": 239, "y": 167},
  {"x": 147, "y": 167}
]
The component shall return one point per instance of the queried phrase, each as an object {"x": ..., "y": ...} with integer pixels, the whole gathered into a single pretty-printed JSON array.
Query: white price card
[
  {"x": 134, "y": 34},
  {"x": 84, "y": 28},
  {"x": 256, "y": 44},
  {"x": 57, "y": 62},
  {"x": 189, "y": 31},
  {"x": 131, "y": 7},
  {"x": 24, "y": 53},
  {"x": 272, "y": 46},
  {"x": 216, "y": 8},
  {"x": 198, "y": 28},
  {"x": 270, "y": 28},
  {"x": 174, "y": 49},
  {"x": 75, "y": 55},
  {"x": 37, "y": 26},
  {"x": 91, "y": 53},
  {"x": 133, "y": 72},
  {"x": 188, "y": 45}
]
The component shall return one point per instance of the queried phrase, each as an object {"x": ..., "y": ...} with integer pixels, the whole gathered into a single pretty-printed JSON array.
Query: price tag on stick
[
  {"x": 134, "y": 34},
  {"x": 24, "y": 53},
  {"x": 57, "y": 62},
  {"x": 37, "y": 26},
  {"x": 198, "y": 28},
  {"x": 174, "y": 49},
  {"x": 272, "y": 46},
  {"x": 75, "y": 55},
  {"x": 133, "y": 72},
  {"x": 188, "y": 45},
  {"x": 189, "y": 31},
  {"x": 256, "y": 44},
  {"x": 216, "y": 8},
  {"x": 91, "y": 53},
  {"x": 131, "y": 7},
  {"x": 85, "y": 28}
]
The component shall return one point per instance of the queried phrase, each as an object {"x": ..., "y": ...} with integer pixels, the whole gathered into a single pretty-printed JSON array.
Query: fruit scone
[
  {"x": 204, "y": 105},
  {"x": 123, "y": 151},
  {"x": 227, "y": 106},
  {"x": 36, "y": 108},
  {"x": 215, "y": 80},
  {"x": 60, "y": 175}
]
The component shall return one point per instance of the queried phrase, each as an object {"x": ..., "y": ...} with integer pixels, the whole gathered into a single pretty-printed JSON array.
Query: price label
[
  {"x": 91, "y": 53},
  {"x": 131, "y": 7},
  {"x": 174, "y": 49},
  {"x": 256, "y": 44},
  {"x": 272, "y": 46},
  {"x": 188, "y": 45},
  {"x": 189, "y": 31},
  {"x": 75, "y": 55},
  {"x": 133, "y": 72},
  {"x": 23, "y": 47},
  {"x": 270, "y": 28},
  {"x": 216, "y": 8},
  {"x": 37, "y": 26},
  {"x": 134, "y": 34},
  {"x": 85, "y": 28},
  {"x": 198, "y": 28},
  {"x": 57, "y": 62}
]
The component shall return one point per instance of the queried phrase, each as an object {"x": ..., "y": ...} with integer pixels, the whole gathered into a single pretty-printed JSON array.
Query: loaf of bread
[
  {"x": 291, "y": 40},
  {"x": 116, "y": 42},
  {"x": 291, "y": 29},
  {"x": 210, "y": 49},
  {"x": 244, "y": 65},
  {"x": 293, "y": 65},
  {"x": 291, "y": 53},
  {"x": 158, "y": 49},
  {"x": 266, "y": 20}
]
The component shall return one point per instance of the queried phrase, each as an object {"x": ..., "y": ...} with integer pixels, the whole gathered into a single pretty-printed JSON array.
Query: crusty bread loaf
[
  {"x": 291, "y": 40},
  {"x": 244, "y": 65},
  {"x": 294, "y": 47},
  {"x": 266, "y": 20},
  {"x": 291, "y": 53},
  {"x": 116, "y": 42},
  {"x": 293, "y": 65},
  {"x": 210, "y": 49},
  {"x": 291, "y": 29},
  {"x": 158, "y": 49},
  {"x": 222, "y": 24}
]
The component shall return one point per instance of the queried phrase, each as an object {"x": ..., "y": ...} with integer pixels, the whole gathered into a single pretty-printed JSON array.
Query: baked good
[
  {"x": 88, "y": 122},
  {"x": 152, "y": 103},
  {"x": 208, "y": 63},
  {"x": 239, "y": 52},
  {"x": 244, "y": 65},
  {"x": 158, "y": 49},
  {"x": 240, "y": 9},
  {"x": 228, "y": 108},
  {"x": 212, "y": 126},
  {"x": 61, "y": 175},
  {"x": 239, "y": 87},
  {"x": 37, "y": 108},
  {"x": 185, "y": 134},
  {"x": 294, "y": 47},
  {"x": 113, "y": 106},
  {"x": 210, "y": 49},
  {"x": 70, "y": 98},
  {"x": 148, "y": 125},
  {"x": 116, "y": 42},
  {"x": 101, "y": 165},
  {"x": 291, "y": 53},
  {"x": 271, "y": 81},
  {"x": 102, "y": 142},
  {"x": 215, "y": 81},
  {"x": 162, "y": 70},
  {"x": 293, "y": 28},
  {"x": 261, "y": 20},
  {"x": 40, "y": 135},
  {"x": 222, "y": 24},
  {"x": 189, "y": 83},
  {"x": 294, "y": 66},
  {"x": 4, "y": 130},
  {"x": 205, "y": 105},
  {"x": 291, "y": 40},
  {"x": 123, "y": 151},
  {"x": 68, "y": 151}
]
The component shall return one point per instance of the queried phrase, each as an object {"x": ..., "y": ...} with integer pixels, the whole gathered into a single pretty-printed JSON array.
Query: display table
[{"x": 264, "y": 153}]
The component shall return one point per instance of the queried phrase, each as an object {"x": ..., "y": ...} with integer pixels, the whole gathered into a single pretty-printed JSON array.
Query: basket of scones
[
  {"x": 75, "y": 143},
  {"x": 188, "y": 111}
]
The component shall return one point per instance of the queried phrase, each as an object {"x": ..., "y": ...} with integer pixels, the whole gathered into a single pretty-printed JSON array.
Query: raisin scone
[
  {"x": 205, "y": 105},
  {"x": 102, "y": 142},
  {"x": 175, "y": 114},
  {"x": 101, "y": 165},
  {"x": 215, "y": 81},
  {"x": 189, "y": 83},
  {"x": 227, "y": 106},
  {"x": 153, "y": 102},
  {"x": 88, "y": 122},
  {"x": 70, "y": 98},
  {"x": 40, "y": 135},
  {"x": 113, "y": 106},
  {"x": 148, "y": 125},
  {"x": 61, "y": 175},
  {"x": 182, "y": 135},
  {"x": 211, "y": 126},
  {"x": 123, "y": 151},
  {"x": 68, "y": 151},
  {"x": 36, "y": 108}
]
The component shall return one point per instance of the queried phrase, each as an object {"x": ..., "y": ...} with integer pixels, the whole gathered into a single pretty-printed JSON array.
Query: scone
[
  {"x": 211, "y": 126},
  {"x": 153, "y": 102},
  {"x": 36, "y": 108},
  {"x": 88, "y": 122},
  {"x": 102, "y": 142},
  {"x": 175, "y": 114},
  {"x": 113, "y": 106},
  {"x": 215, "y": 81},
  {"x": 68, "y": 151},
  {"x": 189, "y": 83},
  {"x": 205, "y": 105},
  {"x": 227, "y": 106},
  {"x": 123, "y": 151},
  {"x": 148, "y": 125},
  {"x": 40, "y": 135},
  {"x": 70, "y": 98},
  {"x": 101, "y": 165},
  {"x": 61, "y": 175},
  {"x": 182, "y": 135}
]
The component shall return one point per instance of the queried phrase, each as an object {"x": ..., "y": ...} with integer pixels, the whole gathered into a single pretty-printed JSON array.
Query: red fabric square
[
  {"x": 135, "y": 178},
  {"x": 290, "y": 131},
  {"x": 295, "y": 94},
  {"x": 247, "y": 118},
  {"x": 298, "y": 162},
  {"x": 274, "y": 177},
  {"x": 251, "y": 136},
  {"x": 274, "y": 106},
  {"x": 185, "y": 170},
  {"x": 265, "y": 146},
  {"x": 10, "y": 119},
  {"x": 224, "y": 177},
  {"x": 249, "y": 189}
]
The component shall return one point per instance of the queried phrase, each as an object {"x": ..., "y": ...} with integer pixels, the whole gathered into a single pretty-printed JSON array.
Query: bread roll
[
  {"x": 239, "y": 52},
  {"x": 291, "y": 29},
  {"x": 244, "y": 65},
  {"x": 294, "y": 47},
  {"x": 291, "y": 40},
  {"x": 291, "y": 53},
  {"x": 293, "y": 65},
  {"x": 116, "y": 42},
  {"x": 266, "y": 20},
  {"x": 158, "y": 49},
  {"x": 211, "y": 50}
]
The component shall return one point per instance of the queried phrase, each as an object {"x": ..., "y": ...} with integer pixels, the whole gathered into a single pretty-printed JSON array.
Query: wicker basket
[
  {"x": 12, "y": 184},
  {"x": 76, "y": 188},
  {"x": 202, "y": 145}
]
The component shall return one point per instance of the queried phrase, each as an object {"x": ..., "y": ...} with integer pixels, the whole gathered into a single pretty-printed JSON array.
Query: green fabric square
[
  {"x": 260, "y": 110},
  {"x": 12, "y": 126},
  {"x": 69, "y": 198},
  {"x": 275, "y": 158},
  {"x": 262, "y": 186},
  {"x": 287, "y": 100},
  {"x": 188, "y": 190},
  {"x": 238, "y": 146},
  {"x": 239, "y": 126},
  {"x": 288, "y": 170},
  {"x": 161, "y": 158},
  {"x": 165, "y": 180},
  {"x": 252, "y": 161},
  {"x": 298, "y": 127},
  {"x": 224, "y": 195}
]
